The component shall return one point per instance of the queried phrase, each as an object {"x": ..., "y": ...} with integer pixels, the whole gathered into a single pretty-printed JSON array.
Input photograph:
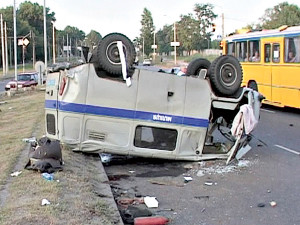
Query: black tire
[
  {"x": 253, "y": 85},
  {"x": 108, "y": 53},
  {"x": 226, "y": 75},
  {"x": 197, "y": 65}
]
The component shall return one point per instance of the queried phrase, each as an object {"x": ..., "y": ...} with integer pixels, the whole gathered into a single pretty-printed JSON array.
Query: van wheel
[
  {"x": 253, "y": 85},
  {"x": 226, "y": 75},
  {"x": 108, "y": 53},
  {"x": 197, "y": 65}
]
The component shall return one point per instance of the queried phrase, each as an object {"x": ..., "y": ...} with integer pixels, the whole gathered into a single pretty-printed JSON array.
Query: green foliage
[
  {"x": 93, "y": 38},
  {"x": 281, "y": 14},
  {"x": 147, "y": 31},
  {"x": 192, "y": 31}
]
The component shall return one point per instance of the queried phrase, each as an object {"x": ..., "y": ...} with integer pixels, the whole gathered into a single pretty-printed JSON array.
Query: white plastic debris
[
  {"x": 187, "y": 179},
  {"x": 45, "y": 202},
  {"x": 15, "y": 174},
  {"x": 29, "y": 140},
  {"x": 200, "y": 173},
  {"x": 273, "y": 203},
  {"x": 151, "y": 202},
  {"x": 208, "y": 183}
]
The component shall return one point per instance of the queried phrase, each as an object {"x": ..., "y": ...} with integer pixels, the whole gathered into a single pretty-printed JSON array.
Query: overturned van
[{"x": 107, "y": 105}]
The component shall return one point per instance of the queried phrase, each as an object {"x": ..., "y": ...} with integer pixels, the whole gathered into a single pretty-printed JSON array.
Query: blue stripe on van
[{"x": 125, "y": 113}]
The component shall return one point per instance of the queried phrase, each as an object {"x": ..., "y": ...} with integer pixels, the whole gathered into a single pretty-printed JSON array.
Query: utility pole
[
  {"x": 223, "y": 36},
  {"x": 6, "y": 48},
  {"x": 45, "y": 39},
  {"x": 53, "y": 42},
  {"x": 175, "y": 54},
  {"x": 33, "y": 49},
  {"x": 2, "y": 41},
  {"x": 15, "y": 40}
]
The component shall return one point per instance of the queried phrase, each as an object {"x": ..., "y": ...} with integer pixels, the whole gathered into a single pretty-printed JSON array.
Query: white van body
[{"x": 159, "y": 115}]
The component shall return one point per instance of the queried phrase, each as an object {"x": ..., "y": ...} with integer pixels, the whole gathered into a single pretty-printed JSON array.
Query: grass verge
[{"x": 78, "y": 195}]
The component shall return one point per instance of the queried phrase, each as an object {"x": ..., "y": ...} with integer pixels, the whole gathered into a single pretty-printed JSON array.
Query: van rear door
[{"x": 51, "y": 104}]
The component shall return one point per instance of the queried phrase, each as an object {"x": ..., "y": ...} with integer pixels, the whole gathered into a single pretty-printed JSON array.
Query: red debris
[{"x": 154, "y": 220}]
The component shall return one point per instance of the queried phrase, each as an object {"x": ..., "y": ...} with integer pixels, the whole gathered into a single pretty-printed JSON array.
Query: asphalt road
[{"x": 269, "y": 172}]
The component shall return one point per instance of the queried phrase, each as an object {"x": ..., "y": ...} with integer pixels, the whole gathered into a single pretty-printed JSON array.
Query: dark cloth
[{"x": 45, "y": 156}]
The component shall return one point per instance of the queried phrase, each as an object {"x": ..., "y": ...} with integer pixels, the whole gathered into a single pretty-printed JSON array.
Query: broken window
[{"x": 155, "y": 138}]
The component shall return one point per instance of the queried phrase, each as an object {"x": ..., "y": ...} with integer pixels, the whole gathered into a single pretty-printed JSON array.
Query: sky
[{"x": 124, "y": 16}]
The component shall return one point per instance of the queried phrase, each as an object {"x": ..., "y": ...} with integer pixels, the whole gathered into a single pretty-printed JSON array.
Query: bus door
[
  {"x": 272, "y": 70},
  {"x": 277, "y": 71}
]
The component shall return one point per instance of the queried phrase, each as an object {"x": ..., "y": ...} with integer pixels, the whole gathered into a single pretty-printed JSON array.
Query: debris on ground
[
  {"x": 151, "y": 202},
  {"x": 3, "y": 102},
  {"x": 187, "y": 179},
  {"x": 48, "y": 176},
  {"x": 45, "y": 156},
  {"x": 45, "y": 202},
  {"x": 261, "y": 205},
  {"x": 273, "y": 203},
  {"x": 15, "y": 174},
  {"x": 105, "y": 158},
  {"x": 29, "y": 140},
  {"x": 154, "y": 220}
]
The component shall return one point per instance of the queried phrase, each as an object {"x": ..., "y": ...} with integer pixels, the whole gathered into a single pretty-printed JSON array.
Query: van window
[
  {"x": 155, "y": 138},
  {"x": 292, "y": 50}
]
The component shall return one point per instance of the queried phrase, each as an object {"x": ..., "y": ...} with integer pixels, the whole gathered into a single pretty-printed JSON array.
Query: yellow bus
[{"x": 271, "y": 62}]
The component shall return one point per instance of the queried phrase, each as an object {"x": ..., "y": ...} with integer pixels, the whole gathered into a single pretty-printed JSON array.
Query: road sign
[
  {"x": 175, "y": 44},
  {"x": 23, "y": 42},
  {"x": 154, "y": 46}
]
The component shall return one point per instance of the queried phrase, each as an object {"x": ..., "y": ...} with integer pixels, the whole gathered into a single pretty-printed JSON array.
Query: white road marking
[
  {"x": 266, "y": 110},
  {"x": 287, "y": 149}
]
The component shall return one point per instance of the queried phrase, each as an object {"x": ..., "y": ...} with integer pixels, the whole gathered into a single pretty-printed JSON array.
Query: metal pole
[
  {"x": 67, "y": 47},
  {"x": 53, "y": 42},
  {"x": 223, "y": 36},
  {"x": 153, "y": 46},
  {"x": 175, "y": 54},
  {"x": 45, "y": 38},
  {"x": 143, "y": 47},
  {"x": 6, "y": 48},
  {"x": 15, "y": 40},
  {"x": 2, "y": 41},
  {"x": 23, "y": 57}
]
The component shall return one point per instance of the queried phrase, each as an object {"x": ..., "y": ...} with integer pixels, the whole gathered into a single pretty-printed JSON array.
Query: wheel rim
[
  {"x": 112, "y": 53},
  {"x": 228, "y": 74}
]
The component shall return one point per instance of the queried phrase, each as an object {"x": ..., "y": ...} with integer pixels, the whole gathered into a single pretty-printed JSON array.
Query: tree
[
  {"x": 281, "y": 14},
  {"x": 147, "y": 30},
  {"x": 164, "y": 38},
  {"x": 205, "y": 17},
  {"x": 93, "y": 38},
  {"x": 186, "y": 32}
]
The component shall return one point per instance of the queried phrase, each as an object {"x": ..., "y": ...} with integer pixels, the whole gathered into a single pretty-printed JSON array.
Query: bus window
[
  {"x": 267, "y": 52},
  {"x": 241, "y": 49},
  {"x": 276, "y": 53},
  {"x": 292, "y": 50},
  {"x": 254, "y": 51},
  {"x": 231, "y": 49}
]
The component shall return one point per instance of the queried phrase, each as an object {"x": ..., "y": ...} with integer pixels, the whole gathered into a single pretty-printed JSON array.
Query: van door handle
[
  {"x": 170, "y": 93},
  {"x": 50, "y": 92}
]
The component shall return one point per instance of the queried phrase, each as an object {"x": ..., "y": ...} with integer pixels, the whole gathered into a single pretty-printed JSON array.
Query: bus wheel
[
  {"x": 253, "y": 85},
  {"x": 197, "y": 65},
  {"x": 108, "y": 53},
  {"x": 226, "y": 75}
]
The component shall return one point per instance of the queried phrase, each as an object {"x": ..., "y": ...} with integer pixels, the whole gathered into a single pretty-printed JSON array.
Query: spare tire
[
  {"x": 197, "y": 65},
  {"x": 226, "y": 75},
  {"x": 108, "y": 53}
]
